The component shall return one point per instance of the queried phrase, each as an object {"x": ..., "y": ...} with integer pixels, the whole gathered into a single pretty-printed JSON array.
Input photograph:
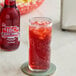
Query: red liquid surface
[
  {"x": 9, "y": 34},
  {"x": 39, "y": 52}
]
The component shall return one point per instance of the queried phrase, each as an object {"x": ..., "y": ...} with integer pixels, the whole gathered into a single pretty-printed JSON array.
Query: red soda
[
  {"x": 39, "y": 43},
  {"x": 10, "y": 26}
]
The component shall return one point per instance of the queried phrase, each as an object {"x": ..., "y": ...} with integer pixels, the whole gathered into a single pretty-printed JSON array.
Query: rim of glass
[{"x": 40, "y": 18}]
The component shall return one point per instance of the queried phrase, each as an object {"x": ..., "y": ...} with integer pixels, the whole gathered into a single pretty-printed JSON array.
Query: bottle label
[{"x": 10, "y": 33}]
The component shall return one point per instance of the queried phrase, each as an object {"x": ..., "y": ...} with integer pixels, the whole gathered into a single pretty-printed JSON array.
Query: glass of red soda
[{"x": 40, "y": 30}]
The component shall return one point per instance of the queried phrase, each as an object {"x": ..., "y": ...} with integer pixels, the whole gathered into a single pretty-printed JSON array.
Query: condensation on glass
[{"x": 40, "y": 30}]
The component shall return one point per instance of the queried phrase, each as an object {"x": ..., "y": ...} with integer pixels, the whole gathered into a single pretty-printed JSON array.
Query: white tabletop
[{"x": 63, "y": 45}]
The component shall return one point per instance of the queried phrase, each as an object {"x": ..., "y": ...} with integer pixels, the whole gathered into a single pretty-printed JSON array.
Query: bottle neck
[{"x": 10, "y": 3}]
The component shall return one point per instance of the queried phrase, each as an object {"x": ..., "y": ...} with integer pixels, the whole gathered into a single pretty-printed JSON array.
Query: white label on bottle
[{"x": 10, "y": 33}]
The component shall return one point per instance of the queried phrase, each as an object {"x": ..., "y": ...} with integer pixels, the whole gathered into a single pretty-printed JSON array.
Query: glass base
[
  {"x": 36, "y": 70},
  {"x": 27, "y": 71}
]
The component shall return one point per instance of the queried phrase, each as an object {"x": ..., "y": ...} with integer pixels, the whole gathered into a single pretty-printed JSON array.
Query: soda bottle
[
  {"x": 10, "y": 26},
  {"x": 0, "y": 26}
]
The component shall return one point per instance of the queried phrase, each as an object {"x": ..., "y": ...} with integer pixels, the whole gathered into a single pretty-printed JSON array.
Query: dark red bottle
[
  {"x": 0, "y": 26},
  {"x": 10, "y": 26}
]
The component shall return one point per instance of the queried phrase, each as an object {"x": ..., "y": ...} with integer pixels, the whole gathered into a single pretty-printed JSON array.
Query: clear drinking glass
[{"x": 40, "y": 30}]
